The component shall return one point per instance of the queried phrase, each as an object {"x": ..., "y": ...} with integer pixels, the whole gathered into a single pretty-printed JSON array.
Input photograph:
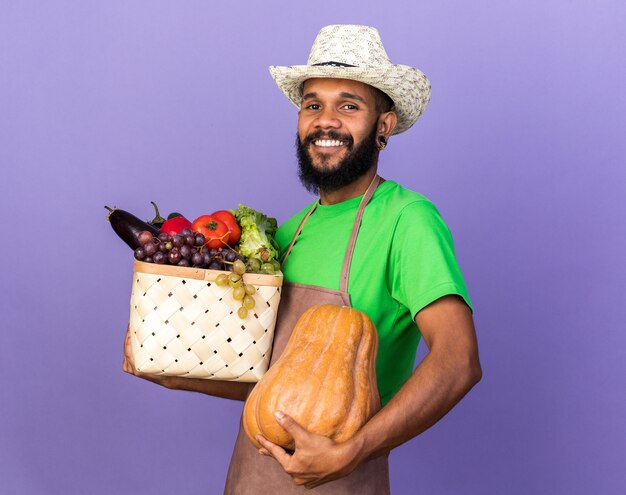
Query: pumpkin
[{"x": 325, "y": 379}]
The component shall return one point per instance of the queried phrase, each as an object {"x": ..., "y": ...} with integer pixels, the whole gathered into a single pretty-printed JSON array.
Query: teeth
[{"x": 328, "y": 142}]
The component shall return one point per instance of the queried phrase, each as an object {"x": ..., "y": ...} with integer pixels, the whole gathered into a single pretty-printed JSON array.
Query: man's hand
[
  {"x": 316, "y": 459},
  {"x": 217, "y": 388},
  {"x": 128, "y": 365}
]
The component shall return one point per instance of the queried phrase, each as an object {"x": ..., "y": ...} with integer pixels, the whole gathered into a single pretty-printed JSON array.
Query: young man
[{"x": 369, "y": 243}]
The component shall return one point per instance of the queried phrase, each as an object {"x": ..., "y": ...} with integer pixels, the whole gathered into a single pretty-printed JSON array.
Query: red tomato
[
  {"x": 214, "y": 230},
  {"x": 231, "y": 222}
]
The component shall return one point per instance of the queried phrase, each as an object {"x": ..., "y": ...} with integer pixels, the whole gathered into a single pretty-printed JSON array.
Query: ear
[{"x": 386, "y": 123}]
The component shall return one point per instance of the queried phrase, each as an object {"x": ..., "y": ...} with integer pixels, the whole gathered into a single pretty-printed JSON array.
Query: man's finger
[
  {"x": 127, "y": 343},
  {"x": 290, "y": 425},
  {"x": 128, "y": 365},
  {"x": 276, "y": 451}
]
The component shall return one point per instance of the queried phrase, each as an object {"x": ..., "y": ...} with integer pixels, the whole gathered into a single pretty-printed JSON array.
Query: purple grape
[
  {"x": 206, "y": 258},
  {"x": 183, "y": 262},
  {"x": 214, "y": 252},
  {"x": 199, "y": 239},
  {"x": 230, "y": 255},
  {"x": 140, "y": 253},
  {"x": 148, "y": 259},
  {"x": 159, "y": 257},
  {"x": 178, "y": 240},
  {"x": 186, "y": 231},
  {"x": 151, "y": 248},
  {"x": 197, "y": 258},
  {"x": 144, "y": 237},
  {"x": 164, "y": 237},
  {"x": 174, "y": 256},
  {"x": 216, "y": 265},
  {"x": 185, "y": 251},
  {"x": 190, "y": 240},
  {"x": 162, "y": 247}
]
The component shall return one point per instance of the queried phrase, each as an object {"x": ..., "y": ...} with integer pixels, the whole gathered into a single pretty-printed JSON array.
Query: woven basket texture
[{"x": 184, "y": 324}]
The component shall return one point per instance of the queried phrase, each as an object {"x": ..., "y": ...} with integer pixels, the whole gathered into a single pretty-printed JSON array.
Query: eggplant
[
  {"x": 174, "y": 214},
  {"x": 127, "y": 226},
  {"x": 158, "y": 220}
]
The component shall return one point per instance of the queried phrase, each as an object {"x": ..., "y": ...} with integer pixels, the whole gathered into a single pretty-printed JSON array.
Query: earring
[{"x": 382, "y": 143}]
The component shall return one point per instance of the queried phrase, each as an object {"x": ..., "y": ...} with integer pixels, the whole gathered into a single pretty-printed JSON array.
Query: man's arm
[
  {"x": 446, "y": 374},
  {"x": 218, "y": 388}
]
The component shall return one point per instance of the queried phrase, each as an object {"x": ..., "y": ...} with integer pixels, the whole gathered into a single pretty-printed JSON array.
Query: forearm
[
  {"x": 217, "y": 388},
  {"x": 432, "y": 390}
]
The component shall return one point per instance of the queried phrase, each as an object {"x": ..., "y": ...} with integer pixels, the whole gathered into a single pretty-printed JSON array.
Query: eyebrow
[{"x": 309, "y": 96}]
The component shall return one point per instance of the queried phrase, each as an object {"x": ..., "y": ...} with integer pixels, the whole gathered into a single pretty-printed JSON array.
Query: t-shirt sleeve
[{"x": 423, "y": 266}]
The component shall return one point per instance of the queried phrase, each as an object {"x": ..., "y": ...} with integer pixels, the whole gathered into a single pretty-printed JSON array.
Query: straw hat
[{"x": 357, "y": 53}]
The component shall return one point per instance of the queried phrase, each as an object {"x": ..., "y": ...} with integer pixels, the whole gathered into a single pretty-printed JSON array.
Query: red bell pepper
[{"x": 175, "y": 225}]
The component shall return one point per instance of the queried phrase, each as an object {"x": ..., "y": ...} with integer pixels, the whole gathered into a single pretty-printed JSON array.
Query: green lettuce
[{"x": 257, "y": 234}]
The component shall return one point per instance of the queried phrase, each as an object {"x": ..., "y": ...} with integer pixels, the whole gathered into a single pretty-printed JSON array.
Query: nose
[{"x": 327, "y": 118}]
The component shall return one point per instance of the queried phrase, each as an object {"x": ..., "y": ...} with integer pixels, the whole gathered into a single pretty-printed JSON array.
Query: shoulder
[
  {"x": 407, "y": 219},
  {"x": 398, "y": 202}
]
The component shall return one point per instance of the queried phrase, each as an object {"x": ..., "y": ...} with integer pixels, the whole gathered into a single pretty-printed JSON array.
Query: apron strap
[
  {"x": 295, "y": 236},
  {"x": 345, "y": 270}
]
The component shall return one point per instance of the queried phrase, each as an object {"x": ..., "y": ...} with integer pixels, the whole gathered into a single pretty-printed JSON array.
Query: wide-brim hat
[{"x": 346, "y": 51}]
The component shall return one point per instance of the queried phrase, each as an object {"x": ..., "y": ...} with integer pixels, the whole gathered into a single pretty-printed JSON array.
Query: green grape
[
  {"x": 222, "y": 280},
  {"x": 249, "y": 302},
  {"x": 242, "y": 313},
  {"x": 267, "y": 268},
  {"x": 250, "y": 289},
  {"x": 238, "y": 293},
  {"x": 234, "y": 280},
  {"x": 275, "y": 264},
  {"x": 253, "y": 265},
  {"x": 239, "y": 267}
]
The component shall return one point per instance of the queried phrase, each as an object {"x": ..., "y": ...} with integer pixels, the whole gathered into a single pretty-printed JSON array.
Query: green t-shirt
[{"x": 403, "y": 260}]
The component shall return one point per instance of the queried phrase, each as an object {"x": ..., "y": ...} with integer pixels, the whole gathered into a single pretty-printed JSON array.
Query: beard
[{"x": 354, "y": 165}]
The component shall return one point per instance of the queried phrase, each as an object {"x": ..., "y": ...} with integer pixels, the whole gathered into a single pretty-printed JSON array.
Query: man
[{"x": 369, "y": 243}]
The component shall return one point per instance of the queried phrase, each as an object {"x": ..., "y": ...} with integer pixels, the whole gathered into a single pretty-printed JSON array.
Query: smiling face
[{"x": 338, "y": 124}]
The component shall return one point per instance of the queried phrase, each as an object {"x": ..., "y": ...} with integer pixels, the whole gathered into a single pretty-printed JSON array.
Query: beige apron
[{"x": 251, "y": 473}]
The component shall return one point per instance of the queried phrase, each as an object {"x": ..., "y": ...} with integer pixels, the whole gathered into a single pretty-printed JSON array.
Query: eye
[
  {"x": 350, "y": 106},
  {"x": 313, "y": 106}
]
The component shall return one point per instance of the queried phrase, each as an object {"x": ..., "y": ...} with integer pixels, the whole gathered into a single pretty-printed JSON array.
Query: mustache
[{"x": 319, "y": 134}]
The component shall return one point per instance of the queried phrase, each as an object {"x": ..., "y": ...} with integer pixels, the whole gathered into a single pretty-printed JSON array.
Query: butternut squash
[{"x": 325, "y": 379}]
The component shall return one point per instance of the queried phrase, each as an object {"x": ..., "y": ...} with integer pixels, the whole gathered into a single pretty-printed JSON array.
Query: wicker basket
[{"x": 183, "y": 324}]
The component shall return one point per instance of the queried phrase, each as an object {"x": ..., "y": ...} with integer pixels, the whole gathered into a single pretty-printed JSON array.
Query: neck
[{"x": 352, "y": 190}]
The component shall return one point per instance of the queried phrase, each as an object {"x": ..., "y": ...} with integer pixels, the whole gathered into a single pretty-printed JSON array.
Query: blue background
[{"x": 522, "y": 149}]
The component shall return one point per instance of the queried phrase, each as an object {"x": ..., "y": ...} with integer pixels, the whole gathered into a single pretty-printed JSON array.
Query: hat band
[{"x": 334, "y": 64}]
